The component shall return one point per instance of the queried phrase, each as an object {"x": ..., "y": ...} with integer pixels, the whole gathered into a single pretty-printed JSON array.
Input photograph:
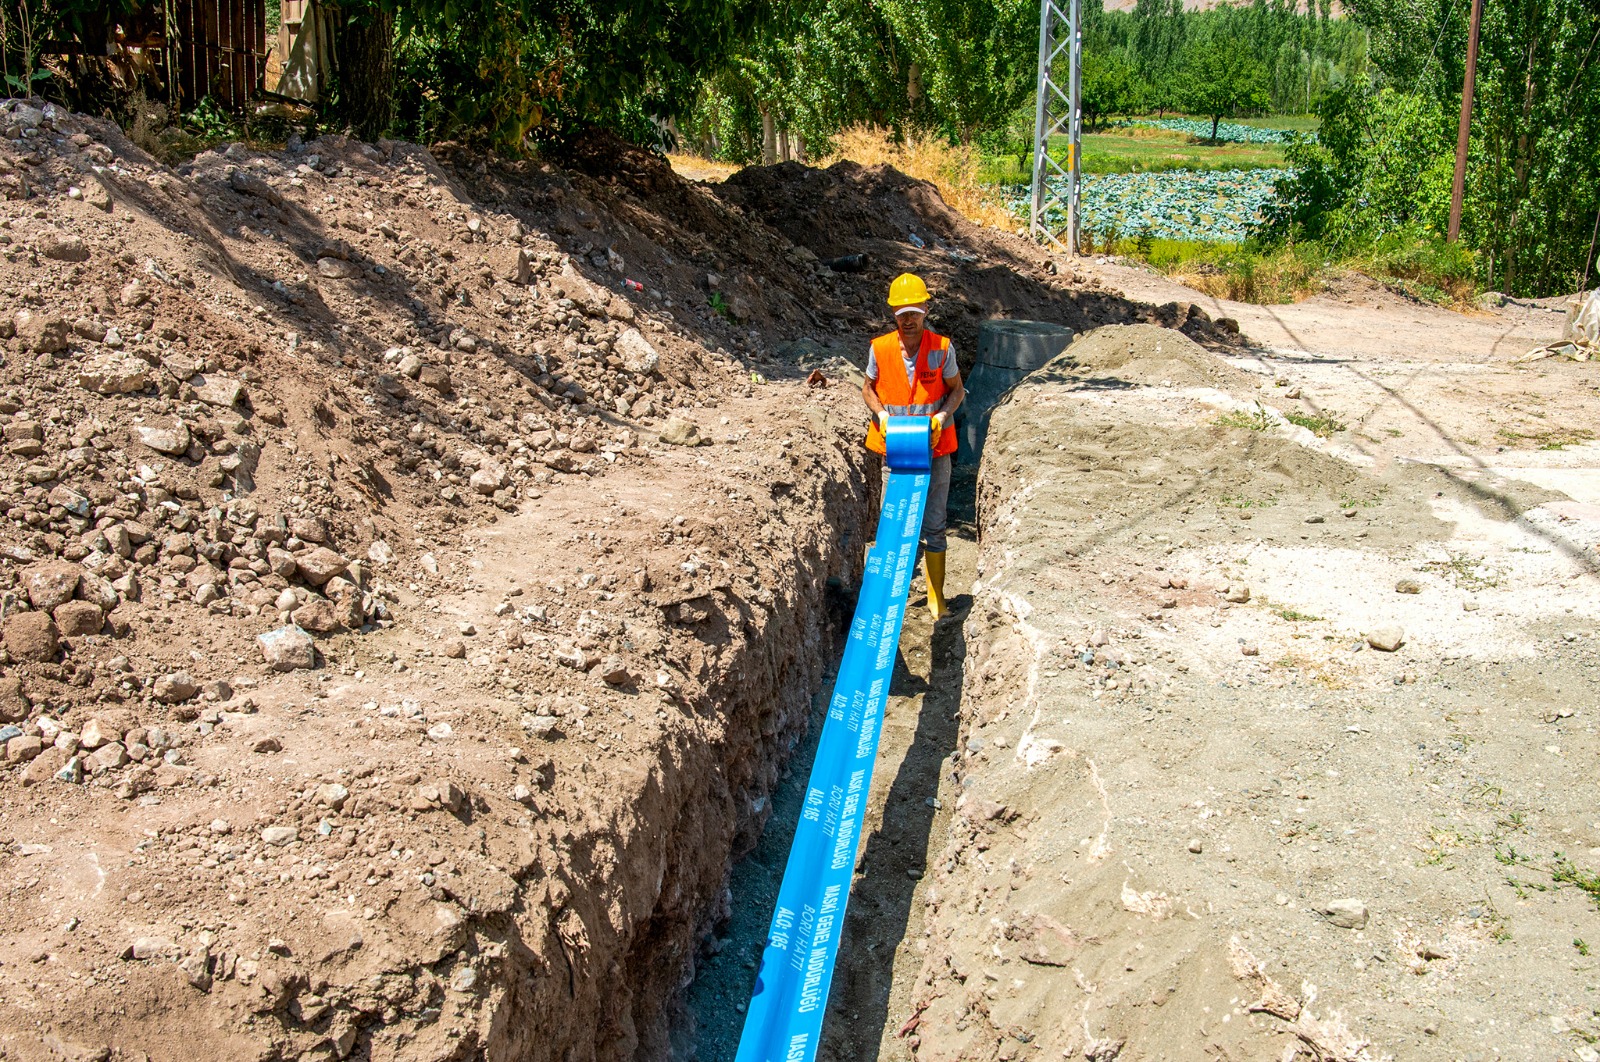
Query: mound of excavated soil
[
  {"x": 831, "y": 211},
  {"x": 1151, "y": 355}
]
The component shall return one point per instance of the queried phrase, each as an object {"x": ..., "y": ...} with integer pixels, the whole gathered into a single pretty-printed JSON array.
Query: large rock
[
  {"x": 64, "y": 247},
  {"x": 636, "y": 352},
  {"x": 435, "y": 377},
  {"x": 45, "y": 766},
  {"x": 42, "y": 333},
  {"x": 114, "y": 376},
  {"x": 590, "y": 298},
  {"x": 336, "y": 269},
  {"x": 288, "y": 649},
  {"x": 174, "y": 440},
  {"x": 1346, "y": 914},
  {"x": 318, "y": 615},
  {"x": 488, "y": 479},
  {"x": 219, "y": 391},
  {"x": 681, "y": 432},
  {"x": 319, "y": 565},
  {"x": 31, "y": 636},
  {"x": 51, "y": 583},
  {"x": 75, "y": 619},
  {"x": 1386, "y": 638}
]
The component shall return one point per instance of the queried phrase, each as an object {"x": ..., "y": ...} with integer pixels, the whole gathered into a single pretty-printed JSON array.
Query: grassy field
[
  {"x": 1141, "y": 150},
  {"x": 1136, "y": 148}
]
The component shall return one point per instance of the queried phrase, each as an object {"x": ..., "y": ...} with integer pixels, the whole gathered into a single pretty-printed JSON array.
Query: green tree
[
  {"x": 1533, "y": 174},
  {"x": 1111, "y": 85},
  {"x": 1160, "y": 28},
  {"x": 976, "y": 59},
  {"x": 1219, "y": 76}
]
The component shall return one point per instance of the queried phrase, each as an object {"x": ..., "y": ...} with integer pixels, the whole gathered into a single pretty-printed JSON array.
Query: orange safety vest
[{"x": 921, "y": 397}]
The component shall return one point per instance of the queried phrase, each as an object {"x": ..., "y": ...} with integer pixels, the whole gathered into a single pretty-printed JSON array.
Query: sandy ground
[{"x": 1144, "y": 847}]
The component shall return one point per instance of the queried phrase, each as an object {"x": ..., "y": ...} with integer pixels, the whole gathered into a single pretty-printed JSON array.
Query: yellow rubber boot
[{"x": 933, "y": 563}]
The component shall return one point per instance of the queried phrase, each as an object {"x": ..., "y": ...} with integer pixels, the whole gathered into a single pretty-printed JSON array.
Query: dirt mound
[
  {"x": 1151, "y": 355},
  {"x": 346, "y": 703},
  {"x": 830, "y": 211},
  {"x": 888, "y": 223}
]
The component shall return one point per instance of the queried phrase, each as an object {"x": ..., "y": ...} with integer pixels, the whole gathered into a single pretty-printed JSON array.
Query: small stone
[
  {"x": 220, "y": 391},
  {"x": 681, "y": 432},
  {"x": 637, "y": 353},
  {"x": 615, "y": 672},
  {"x": 14, "y": 703},
  {"x": 455, "y": 649},
  {"x": 71, "y": 772},
  {"x": 1387, "y": 638},
  {"x": 172, "y": 441},
  {"x": 1237, "y": 593},
  {"x": 521, "y": 794},
  {"x": 146, "y": 948},
  {"x": 175, "y": 688},
  {"x": 332, "y": 795},
  {"x": 42, "y": 333},
  {"x": 435, "y": 377},
  {"x": 1408, "y": 586},
  {"x": 1250, "y": 649},
  {"x": 1316, "y": 519},
  {"x": 279, "y": 835},
  {"x": 1196, "y": 846},
  {"x": 336, "y": 269},
  {"x": 543, "y": 726},
  {"x": 266, "y": 744},
  {"x": 114, "y": 376},
  {"x": 318, "y": 565},
  {"x": 440, "y": 731},
  {"x": 288, "y": 648},
  {"x": 463, "y": 979},
  {"x": 107, "y": 757},
  {"x": 488, "y": 479},
  {"x": 319, "y": 615},
  {"x": 51, "y": 584},
  {"x": 24, "y": 748},
  {"x": 1346, "y": 914}
]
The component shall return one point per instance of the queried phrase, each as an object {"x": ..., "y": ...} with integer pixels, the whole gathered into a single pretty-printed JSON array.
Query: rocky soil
[{"x": 416, "y": 570}]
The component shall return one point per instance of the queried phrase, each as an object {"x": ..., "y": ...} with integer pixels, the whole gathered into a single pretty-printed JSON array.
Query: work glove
[
  {"x": 883, "y": 421},
  {"x": 936, "y": 424}
]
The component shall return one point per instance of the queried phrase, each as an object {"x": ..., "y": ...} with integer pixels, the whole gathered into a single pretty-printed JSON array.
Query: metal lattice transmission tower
[{"x": 1053, "y": 218}]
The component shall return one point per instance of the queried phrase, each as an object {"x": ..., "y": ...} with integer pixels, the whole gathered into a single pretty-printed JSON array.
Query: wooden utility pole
[{"x": 1458, "y": 189}]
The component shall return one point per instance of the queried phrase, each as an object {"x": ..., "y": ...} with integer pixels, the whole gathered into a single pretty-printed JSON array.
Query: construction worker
[{"x": 912, "y": 372}]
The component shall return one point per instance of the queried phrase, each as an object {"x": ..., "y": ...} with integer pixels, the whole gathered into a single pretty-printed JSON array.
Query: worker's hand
[
  {"x": 936, "y": 424},
  {"x": 883, "y": 421}
]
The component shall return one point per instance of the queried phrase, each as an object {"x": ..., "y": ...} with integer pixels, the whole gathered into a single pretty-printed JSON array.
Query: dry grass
[
  {"x": 695, "y": 168},
  {"x": 953, "y": 171}
]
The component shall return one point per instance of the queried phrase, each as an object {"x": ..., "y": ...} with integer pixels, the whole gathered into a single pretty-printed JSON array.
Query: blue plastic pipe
[{"x": 784, "y": 1020}]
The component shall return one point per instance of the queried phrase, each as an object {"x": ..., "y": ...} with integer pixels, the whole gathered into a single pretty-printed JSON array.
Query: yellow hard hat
[{"x": 907, "y": 289}]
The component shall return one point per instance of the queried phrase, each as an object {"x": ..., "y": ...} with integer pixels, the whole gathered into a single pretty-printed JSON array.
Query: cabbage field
[{"x": 1211, "y": 206}]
